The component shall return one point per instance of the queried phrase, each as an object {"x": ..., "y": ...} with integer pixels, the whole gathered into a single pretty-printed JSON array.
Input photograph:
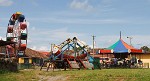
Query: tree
[{"x": 145, "y": 48}]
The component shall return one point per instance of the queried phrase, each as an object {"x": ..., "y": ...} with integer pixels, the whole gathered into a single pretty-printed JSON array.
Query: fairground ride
[
  {"x": 71, "y": 53},
  {"x": 17, "y": 31}
]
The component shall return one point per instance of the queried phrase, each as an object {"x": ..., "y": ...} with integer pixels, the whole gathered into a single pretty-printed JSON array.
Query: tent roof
[
  {"x": 121, "y": 43},
  {"x": 122, "y": 47}
]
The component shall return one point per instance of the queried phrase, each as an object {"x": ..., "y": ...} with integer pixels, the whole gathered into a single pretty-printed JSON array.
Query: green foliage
[
  {"x": 7, "y": 65},
  {"x": 145, "y": 48}
]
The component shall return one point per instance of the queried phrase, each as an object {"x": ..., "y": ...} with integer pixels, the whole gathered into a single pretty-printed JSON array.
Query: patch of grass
[
  {"x": 107, "y": 75},
  {"x": 4, "y": 71},
  {"x": 81, "y": 75},
  {"x": 25, "y": 75}
]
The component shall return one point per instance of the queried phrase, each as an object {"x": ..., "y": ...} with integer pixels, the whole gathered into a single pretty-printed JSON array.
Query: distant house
[{"x": 30, "y": 58}]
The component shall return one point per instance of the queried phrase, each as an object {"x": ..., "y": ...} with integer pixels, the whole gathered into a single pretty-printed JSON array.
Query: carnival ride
[
  {"x": 71, "y": 53},
  {"x": 16, "y": 32}
]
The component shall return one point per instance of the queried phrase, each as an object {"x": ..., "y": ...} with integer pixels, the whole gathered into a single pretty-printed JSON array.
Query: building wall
[
  {"x": 25, "y": 63},
  {"x": 145, "y": 58},
  {"x": 21, "y": 60},
  {"x": 30, "y": 60}
]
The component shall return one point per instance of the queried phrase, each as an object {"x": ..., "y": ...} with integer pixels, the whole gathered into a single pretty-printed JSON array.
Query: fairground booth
[{"x": 121, "y": 51}]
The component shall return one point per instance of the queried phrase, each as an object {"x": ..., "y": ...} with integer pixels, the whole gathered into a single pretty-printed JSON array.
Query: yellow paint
[
  {"x": 21, "y": 60},
  {"x": 145, "y": 58},
  {"x": 30, "y": 60},
  {"x": 18, "y": 13}
]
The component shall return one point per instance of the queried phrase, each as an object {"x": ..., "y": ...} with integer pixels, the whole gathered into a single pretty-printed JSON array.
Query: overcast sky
[{"x": 53, "y": 21}]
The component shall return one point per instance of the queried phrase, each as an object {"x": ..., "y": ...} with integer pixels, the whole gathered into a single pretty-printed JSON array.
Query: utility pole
[
  {"x": 51, "y": 48},
  {"x": 75, "y": 48},
  {"x": 130, "y": 44},
  {"x": 93, "y": 43},
  {"x": 130, "y": 40}
]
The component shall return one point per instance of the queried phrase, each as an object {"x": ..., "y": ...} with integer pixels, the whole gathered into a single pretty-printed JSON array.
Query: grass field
[{"x": 79, "y": 75}]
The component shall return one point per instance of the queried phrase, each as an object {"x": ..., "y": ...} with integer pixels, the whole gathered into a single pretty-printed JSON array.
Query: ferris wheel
[{"x": 17, "y": 32}]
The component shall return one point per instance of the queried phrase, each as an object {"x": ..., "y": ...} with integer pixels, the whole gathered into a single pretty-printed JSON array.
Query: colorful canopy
[{"x": 121, "y": 47}]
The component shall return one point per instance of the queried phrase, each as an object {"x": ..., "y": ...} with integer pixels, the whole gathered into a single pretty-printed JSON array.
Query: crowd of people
[{"x": 123, "y": 63}]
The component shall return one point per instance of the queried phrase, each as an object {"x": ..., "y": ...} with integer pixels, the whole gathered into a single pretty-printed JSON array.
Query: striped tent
[{"x": 122, "y": 47}]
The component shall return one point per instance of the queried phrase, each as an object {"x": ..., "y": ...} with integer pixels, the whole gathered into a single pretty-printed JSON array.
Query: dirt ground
[{"x": 52, "y": 78}]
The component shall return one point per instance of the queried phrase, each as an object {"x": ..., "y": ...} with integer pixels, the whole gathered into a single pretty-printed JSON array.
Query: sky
[{"x": 53, "y": 21}]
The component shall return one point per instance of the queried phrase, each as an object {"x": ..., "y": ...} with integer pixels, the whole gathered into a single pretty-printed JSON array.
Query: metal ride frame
[
  {"x": 61, "y": 59},
  {"x": 17, "y": 31},
  {"x": 68, "y": 44}
]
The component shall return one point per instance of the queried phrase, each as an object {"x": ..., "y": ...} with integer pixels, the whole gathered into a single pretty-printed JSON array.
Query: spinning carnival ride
[
  {"x": 71, "y": 53},
  {"x": 17, "y": 32},
  {"x": 70, "y": 49}
]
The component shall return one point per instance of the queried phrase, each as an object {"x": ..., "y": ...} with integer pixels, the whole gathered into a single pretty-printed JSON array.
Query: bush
[
  {"x": 4, "y": 71},
  {"x": 8, "y": 65}
]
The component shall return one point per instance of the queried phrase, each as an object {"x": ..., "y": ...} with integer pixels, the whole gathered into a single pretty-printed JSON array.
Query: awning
[
  {"x": 135, "y": 51},
  {"x": 105, "y": 51}
]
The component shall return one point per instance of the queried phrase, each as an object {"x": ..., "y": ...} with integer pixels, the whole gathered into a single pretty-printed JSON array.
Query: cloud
[
  {"x": 28, "y": 23},
  {"x": 2, "y": 33},
  {"x": 40, "y": 48},
  {"x": 97, "y": 21},
  {"x": 6, "y": 2},
  {"x": 33, "y": 28},
  {"x": 81, "y": 21},
  {"x": 43, "y": 48},
  {"x": 142, "y": 40},
  {"x": 34, "y": 47},
  {"x": 44, "y": 37},
  {"x": 3, "y": 38},
  {"x": 107, "y": 1},
  {"x": 61, "y": 34},
  {"x": 76, "y": 4},
  {"x": 33, "y": 2}
]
